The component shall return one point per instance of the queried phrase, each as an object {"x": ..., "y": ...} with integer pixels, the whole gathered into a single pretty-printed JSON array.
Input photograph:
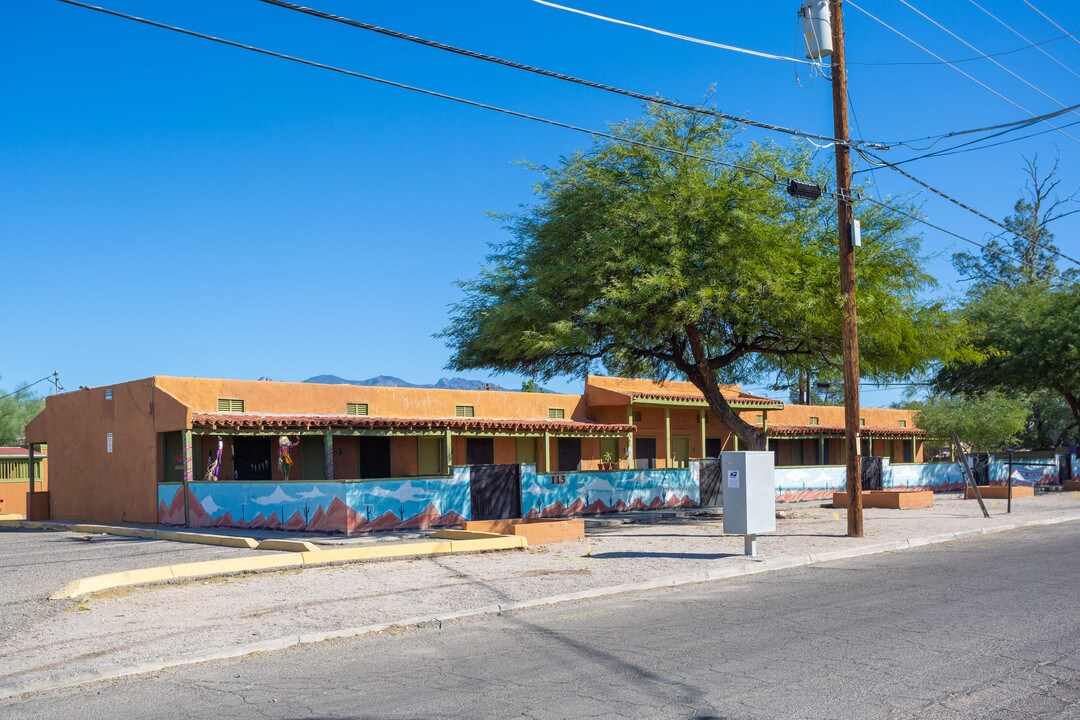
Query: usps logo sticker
[{"x": 733, "y": 478}]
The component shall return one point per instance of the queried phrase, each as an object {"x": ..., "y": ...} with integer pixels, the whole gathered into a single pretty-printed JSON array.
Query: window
[
  {"x": 903, "y": 423},
  {"x": 464, "y": 411},
  {"x": 230, "y": 405},
  {"x": 637, "y": 416},
  {"x": 814, "y": 421},
  {"x": 356, "y": 408},
  {"x": 556, "y": 414},
  {"x": 862, "y": 422},
  {"x": 760, "y": 419}
]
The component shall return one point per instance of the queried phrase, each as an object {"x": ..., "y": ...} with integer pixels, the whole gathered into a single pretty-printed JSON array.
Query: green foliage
[
  {"x": 657, "y": 264},
  {"x": 1028, "y": 339},
  {"x": 988, "y": 422},
  {"x": 15, "y": 411}
]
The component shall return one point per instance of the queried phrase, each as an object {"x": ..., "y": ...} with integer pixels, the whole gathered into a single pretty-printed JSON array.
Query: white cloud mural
[
  {"x": 406, "y": 492},
  {"x": 209, "y": 505},
  {"x": 277, "y": 497},
  {"x": 314, "y": 492}
]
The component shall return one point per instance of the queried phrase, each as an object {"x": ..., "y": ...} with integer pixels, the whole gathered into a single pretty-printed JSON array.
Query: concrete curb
[
  {"x": 41, "y": 682},
  {"x": 197, "y": 538},
  {"x": 233, "y": 566}
]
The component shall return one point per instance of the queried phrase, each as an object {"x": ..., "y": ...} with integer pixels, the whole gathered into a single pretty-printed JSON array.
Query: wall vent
[
  {"x": 356, "y": 408},
  {"x": 556, "y": 414},
  {"x": 465, "y": 411},
  {"x": 230, "y": 405}
]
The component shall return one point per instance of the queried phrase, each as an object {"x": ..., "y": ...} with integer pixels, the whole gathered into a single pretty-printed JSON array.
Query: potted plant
[{"x": 607, "y": 462}]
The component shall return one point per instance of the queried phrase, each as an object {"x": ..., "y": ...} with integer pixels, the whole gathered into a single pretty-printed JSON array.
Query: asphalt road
[
  {"x": 986, "y": 628},
  {"x": 36, "y": 563}
]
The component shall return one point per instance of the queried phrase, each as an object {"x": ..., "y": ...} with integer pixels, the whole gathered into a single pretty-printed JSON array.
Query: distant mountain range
[{"x": 391, "y": 381}]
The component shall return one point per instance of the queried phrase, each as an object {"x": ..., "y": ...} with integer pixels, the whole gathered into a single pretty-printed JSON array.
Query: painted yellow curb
[
  {"x": 207, "y": 568},
  {"x": 287, "y": 545},
  {"x": 11, "y": 516}
]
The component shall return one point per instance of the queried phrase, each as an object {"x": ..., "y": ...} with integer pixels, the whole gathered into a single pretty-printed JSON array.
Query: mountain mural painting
[
  {"x": 331, "y": 507},
  {"x": 589, "y": 493}
]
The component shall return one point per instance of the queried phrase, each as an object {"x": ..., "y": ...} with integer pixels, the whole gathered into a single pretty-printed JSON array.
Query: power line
[
  {"x": 1016, "y": 32},
  {"x": 546, "y": 73},
  {"x": 961, "y": 204},
  {"x": 970, "y": 59},
  {"x": 423, "y": 91},
  {"x": 1045, "y": 94},
  {"x": 954, "y": 67},
  {"x": 24, "y": 388},
  {"x": 1047, "y": 18},
  {"x": 687, "y": 38},
  {"x": 1015, "y": 124},
  {"x": 610, "y": 136}
]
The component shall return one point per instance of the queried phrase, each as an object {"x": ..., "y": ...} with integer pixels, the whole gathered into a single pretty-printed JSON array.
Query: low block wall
[
  {"x": 1001, "y": 492},
  {"x": 536, "y": 530},
  {"x": 889, "y": 499},
  {"x": 601, "y": 491}
]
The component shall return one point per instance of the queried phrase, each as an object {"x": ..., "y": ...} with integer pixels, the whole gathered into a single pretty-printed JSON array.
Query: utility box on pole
[{"x": 749, "y": 495}]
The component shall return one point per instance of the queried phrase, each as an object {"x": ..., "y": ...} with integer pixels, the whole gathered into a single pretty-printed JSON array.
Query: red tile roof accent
[
  {"x": 239, "y": 421},
  {"x": 740, "y": 398},
  {"x": 838, "y": 431}
]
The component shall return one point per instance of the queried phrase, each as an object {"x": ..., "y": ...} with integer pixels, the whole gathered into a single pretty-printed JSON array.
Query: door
[
  {"x": 644, "y": 453},
  {"x": 479, "y": 451},
  {"x": 495, "y": 491},
  {"x": 251, "y": 458},
  {"x": 375, "y": 457},
  {"x": 569, "y": 454},
  {"x": 713, "y": 447},
  {"x": 680, "y": 451}
]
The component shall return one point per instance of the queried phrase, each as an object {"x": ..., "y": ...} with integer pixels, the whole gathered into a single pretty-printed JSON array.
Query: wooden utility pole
[{"x": 850, "y": 337}]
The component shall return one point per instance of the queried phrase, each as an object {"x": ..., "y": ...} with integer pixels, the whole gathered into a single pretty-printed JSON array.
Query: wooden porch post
[
  {"x": 187, "y": 452},
  {"x": 448, "y": 451},
  {"x": 547, "y": 451},
  {"x": 821, "y": 450},
  {"x": 630, "y": 438},
  {"x": 701, "y": 421},
  {"x": 667, "y": 437},
  {"x": 328, "y": 452},
  {"x": 30, "y": 467}
]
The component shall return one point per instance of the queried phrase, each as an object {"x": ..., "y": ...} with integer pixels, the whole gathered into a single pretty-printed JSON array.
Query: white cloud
[
  {"x": 536, "y": 488},
  {"x": 314, "y": 492},
  {"x": 209, "y": 505},
  {"x": 796, "y": 475},
  {"x": 277, "y": 497}
]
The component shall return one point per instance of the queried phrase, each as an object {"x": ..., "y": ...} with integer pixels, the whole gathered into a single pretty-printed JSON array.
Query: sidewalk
[{"x": 149, "y": 627}]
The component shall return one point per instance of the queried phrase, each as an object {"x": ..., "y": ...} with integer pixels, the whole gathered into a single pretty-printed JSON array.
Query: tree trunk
[
  {"x": 1074, "y": 405},
  {"x": 704, "y": 379}
]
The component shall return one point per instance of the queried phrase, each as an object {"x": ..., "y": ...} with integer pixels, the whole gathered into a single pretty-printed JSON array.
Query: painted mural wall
[
  {"x": 820, "y": 482},
  {"x": 333, "y": 507},
  {"x": 565, "y": 494}
]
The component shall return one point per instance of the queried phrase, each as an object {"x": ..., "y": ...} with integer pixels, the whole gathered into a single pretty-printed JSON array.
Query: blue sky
[{"x": 176, "y": 207}]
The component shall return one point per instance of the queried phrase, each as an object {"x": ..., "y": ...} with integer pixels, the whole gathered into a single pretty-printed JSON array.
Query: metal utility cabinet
[{"x": 749, "y": 495}]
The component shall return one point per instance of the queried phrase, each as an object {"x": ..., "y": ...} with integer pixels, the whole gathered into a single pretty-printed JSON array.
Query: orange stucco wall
[
  {"x": 87, "y": 481},
  {"x": 201, "y": 395},
  {"x": 834, "y": 415}
]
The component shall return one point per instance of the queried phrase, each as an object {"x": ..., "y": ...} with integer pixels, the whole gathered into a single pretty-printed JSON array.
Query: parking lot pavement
[{"x": 35, "y": 563}]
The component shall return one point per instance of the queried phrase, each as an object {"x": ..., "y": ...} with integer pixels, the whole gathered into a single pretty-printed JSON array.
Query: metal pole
[
  {"x": 850, "y": 337},
  {"x": 1008, "y": 504}
]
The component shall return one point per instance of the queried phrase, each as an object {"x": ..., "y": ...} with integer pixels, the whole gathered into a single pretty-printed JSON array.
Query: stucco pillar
[
  {"x": 630, "y": 439},
  {"x": 821, "y": 450},
  {"x": 547, "y": 451}
]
